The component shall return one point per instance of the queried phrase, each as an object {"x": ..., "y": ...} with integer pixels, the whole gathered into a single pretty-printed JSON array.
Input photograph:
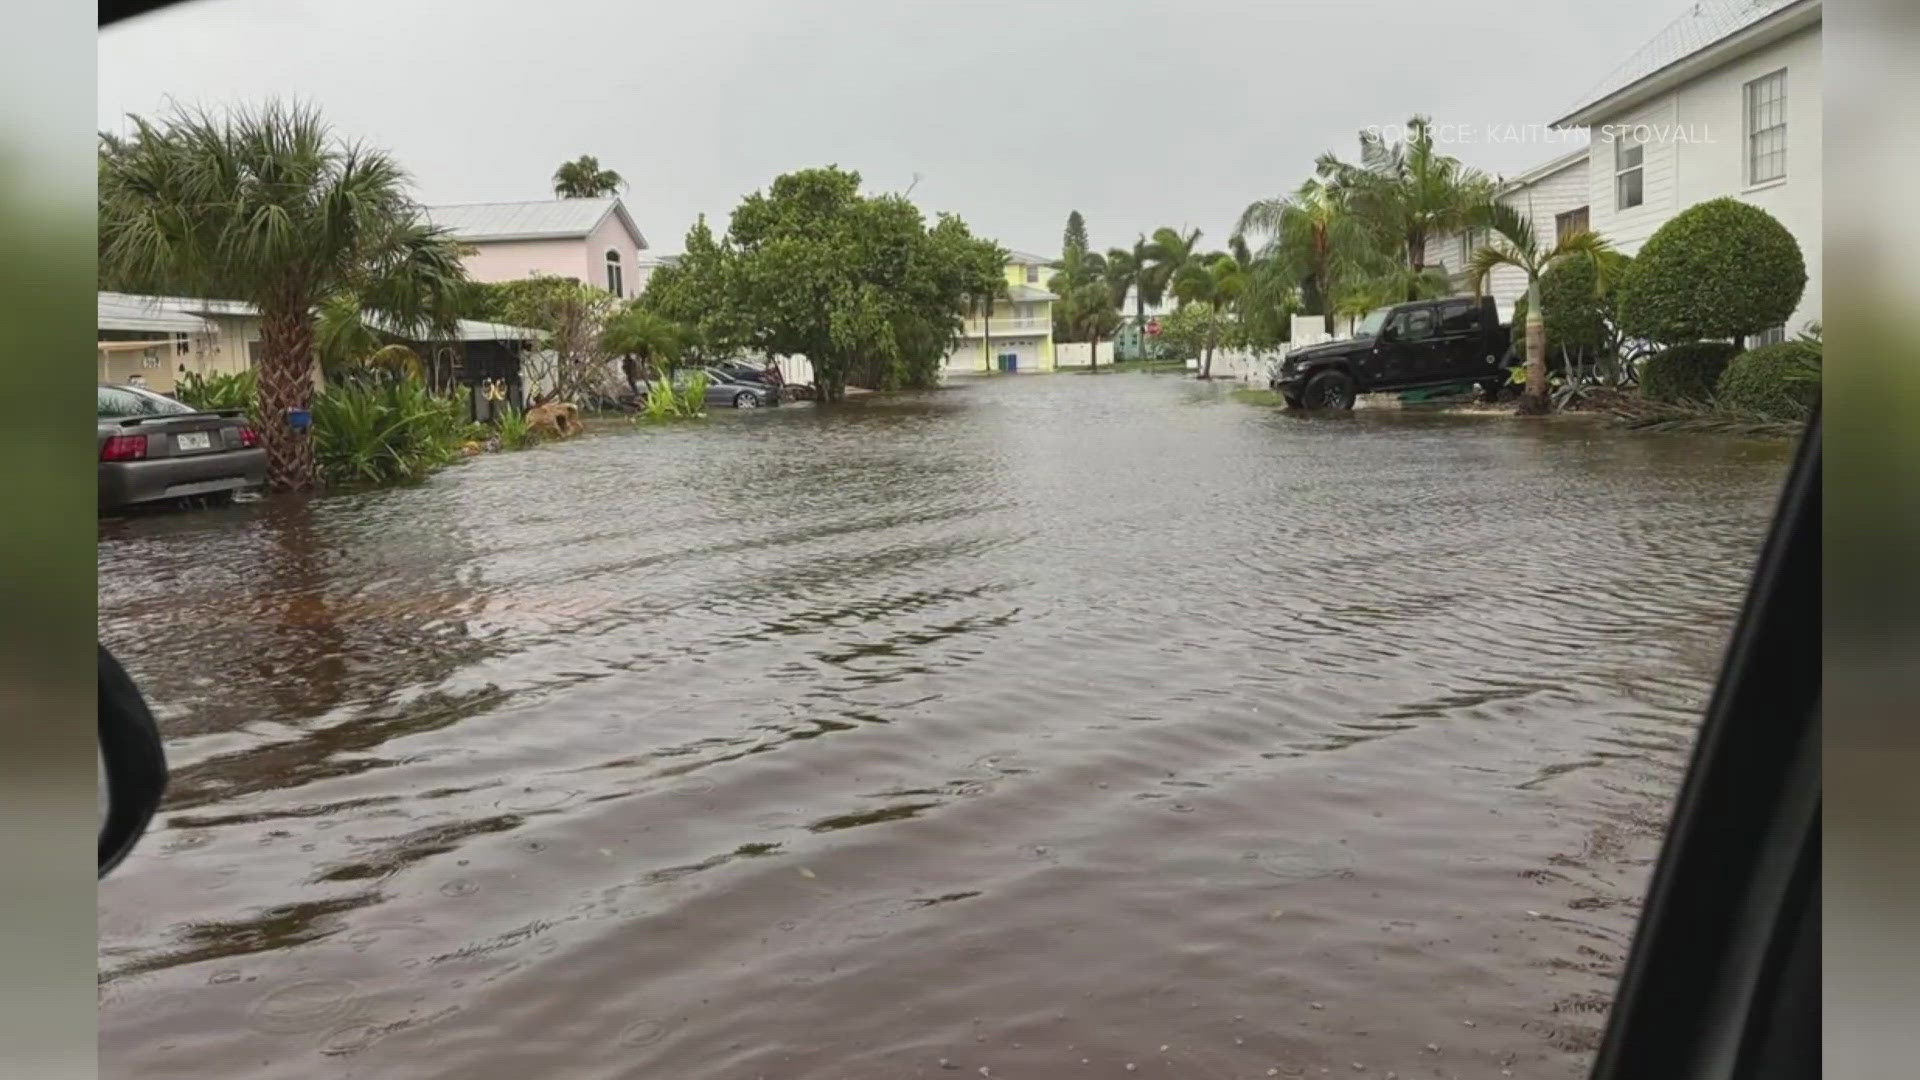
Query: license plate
[{"x": 194, "y": 440}]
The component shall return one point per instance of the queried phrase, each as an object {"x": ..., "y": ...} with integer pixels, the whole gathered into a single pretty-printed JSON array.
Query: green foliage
[
  {"x": 583, "y": 178},
  {"x": 1685, "y": 373},
  {"x": 267, "y": 205},
  {"x": 1193, "y": 329},
  {"x": 386, "y": 431},
  {"x": 1579, "y": 318},
  {"x": 511, "y": 427},
  {"x": 1719, "y": 269},
  {"x": 1074, "y": 239},
  {"x": 670, "y": 399},
  {"x": 1775, "y": 382},
  {"x": 1404, "y": 193},
  {"x": 571, "y": 362},
  {"x": 218, "y": 390},
  {"x": 858, "y": 285}
]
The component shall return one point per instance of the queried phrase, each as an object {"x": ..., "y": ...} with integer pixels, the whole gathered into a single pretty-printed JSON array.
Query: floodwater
[{"x": 1043, "y": 727}]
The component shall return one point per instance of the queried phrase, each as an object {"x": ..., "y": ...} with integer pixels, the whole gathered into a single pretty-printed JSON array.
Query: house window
[
  {"x": 1469, "y": 243},
  {"x": 1628, "y": 153},
  {"x": 1767, "y": 128},
  {"x": 1033, "y": 274},
  {"x": 1573, "y": 221},
  {"x": 613, "y": 274}
]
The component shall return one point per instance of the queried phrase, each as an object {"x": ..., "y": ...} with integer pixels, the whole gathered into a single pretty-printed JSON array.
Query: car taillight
[
  {"x": 249, "y": 437},
  {"x": 124, "y": 448}
]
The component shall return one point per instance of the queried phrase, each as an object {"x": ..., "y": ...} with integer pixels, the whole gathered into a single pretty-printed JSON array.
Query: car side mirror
[
  {"x": 133, "y": 765},
  {"x": 1389, "y": 332}
]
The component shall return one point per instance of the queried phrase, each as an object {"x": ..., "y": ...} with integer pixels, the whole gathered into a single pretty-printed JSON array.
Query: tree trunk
[
  {"x": 285, "y": 383},
  {"x": 1534, "y": 401},
  {"x": 986, "y": 332},
  {"x": 1094, "y": 356}
]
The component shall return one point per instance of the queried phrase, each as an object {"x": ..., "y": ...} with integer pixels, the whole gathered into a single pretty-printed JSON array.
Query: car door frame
[
  {"x": 1406, "y": 359},
  {"x": 1460, "y": 353}
]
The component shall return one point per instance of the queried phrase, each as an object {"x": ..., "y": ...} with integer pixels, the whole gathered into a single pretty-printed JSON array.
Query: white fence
[{"x": 1078, "y": 354}]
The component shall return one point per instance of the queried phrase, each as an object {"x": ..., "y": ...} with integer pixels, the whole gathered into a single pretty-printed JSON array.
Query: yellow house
[{"x": 1016, "y": 334}]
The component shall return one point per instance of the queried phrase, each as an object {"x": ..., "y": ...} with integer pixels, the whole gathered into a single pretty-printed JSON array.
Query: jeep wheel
[{"x": 1329, "y": 390}]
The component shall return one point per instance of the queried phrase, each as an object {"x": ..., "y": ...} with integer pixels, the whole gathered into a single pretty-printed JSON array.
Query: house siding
[
  {"x": 612, "y": 235},
  {"x": 1544, "y": 199},
  {"x": 1629, "y": 228}
]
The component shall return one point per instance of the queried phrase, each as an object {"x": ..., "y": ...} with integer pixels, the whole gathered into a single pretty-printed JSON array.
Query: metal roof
[
  {"x": 1703, "y": 24},
  {"x": 1022, "y": 258},
  {"x": 1028, "y": 292},
  {"x": 547, "y": 219},
  {"x": 140, "y": 314},
  {"x": 185, "y": 315}
]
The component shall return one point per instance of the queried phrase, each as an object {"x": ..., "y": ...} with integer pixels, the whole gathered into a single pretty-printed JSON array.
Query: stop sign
[{"x": 1153, "y": 327}]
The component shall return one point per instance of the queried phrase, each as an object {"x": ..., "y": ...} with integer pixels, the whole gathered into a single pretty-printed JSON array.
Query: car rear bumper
[{"x": 123, "y": 483}]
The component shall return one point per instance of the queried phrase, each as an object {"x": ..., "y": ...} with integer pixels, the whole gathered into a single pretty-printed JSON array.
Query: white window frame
[
  {"x": 616, "y": 273},
  {"x": 1749, "y": 116},
  {"x": 1033, "y": 275},
  {"x": 1623, "y": 142}
]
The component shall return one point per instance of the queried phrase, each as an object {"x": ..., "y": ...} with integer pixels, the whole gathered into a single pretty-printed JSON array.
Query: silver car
[
  {"x": 153, "y": 448},
  {"x": 736, "y": 390}
]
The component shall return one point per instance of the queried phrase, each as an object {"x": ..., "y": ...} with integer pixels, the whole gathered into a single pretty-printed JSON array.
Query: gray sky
[{"x": 1138, "y": 114}]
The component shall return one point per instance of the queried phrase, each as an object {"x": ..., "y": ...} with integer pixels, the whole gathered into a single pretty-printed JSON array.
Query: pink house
[{"x": 590, "y": 240}]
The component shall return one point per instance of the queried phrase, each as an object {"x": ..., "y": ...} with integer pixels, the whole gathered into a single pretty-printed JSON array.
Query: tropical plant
[
  {"x": 218, "y": 390},
  {"x": 1719, "y": 269},
  {"x": 649, "y": 343},
  {"x": 1685, "y": 374},
  {"x": 1515, "y": 243},
  {"x": 682, "y": 400},
  {"x": 386, "y": 432},
  {"x": 1167, "y": 254},
  {"x": 266, "y": 206},
  {"x": 1406, "y": 192},
  {"x": 1312, "y": 239},
  {"x": 511, "y": 427},
  {"x": 1131, "y": 270},
  {"x": 1219, "y": 280},
  {"x": 571, "y": 361},
  {"x": 1089, "y": 315},
  {"x": 583, "y": 178},
  {"x": 1775, "y": 382}
]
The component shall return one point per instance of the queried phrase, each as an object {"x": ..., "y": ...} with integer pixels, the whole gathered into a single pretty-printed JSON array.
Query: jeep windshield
[{"x": 1370, "y": 326}]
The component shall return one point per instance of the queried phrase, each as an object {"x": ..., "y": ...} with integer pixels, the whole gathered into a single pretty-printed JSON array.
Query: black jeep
[{"x": 1405, "y": 347}]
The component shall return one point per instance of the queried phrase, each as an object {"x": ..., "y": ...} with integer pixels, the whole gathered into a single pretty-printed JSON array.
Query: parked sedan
[
  {"x": 153, "y": 448},
  {"x": 737, "y": 391}
]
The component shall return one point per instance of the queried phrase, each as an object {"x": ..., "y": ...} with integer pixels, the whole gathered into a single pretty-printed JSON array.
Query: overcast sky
[{"x": 1138, "y": 114}]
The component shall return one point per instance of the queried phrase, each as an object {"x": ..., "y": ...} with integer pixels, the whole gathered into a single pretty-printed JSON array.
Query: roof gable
[
  {"x": 1702, "y": 27},
  {"x": 545, "y": 219}
]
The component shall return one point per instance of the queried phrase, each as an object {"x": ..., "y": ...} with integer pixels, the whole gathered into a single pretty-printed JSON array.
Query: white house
[
  {"x": 589, "y": 240},
  {"x": 1725, "y": 101},
  {"x": 1554, "y": 194}
]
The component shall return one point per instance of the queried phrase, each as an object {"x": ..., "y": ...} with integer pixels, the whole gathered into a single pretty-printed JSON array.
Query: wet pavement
[{"x": 1043, "y": 727}]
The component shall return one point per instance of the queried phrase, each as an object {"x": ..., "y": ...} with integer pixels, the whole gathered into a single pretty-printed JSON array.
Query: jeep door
[
  {"x": 1408, "y": 346},
  {"x": 1461, "y": 342}
]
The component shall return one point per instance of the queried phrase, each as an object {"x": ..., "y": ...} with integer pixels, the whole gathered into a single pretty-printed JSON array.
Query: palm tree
[
  {"x": 1166, "y": 254},
  {"x": 583, "y": 178},
  {"x": 1313, "y": 239},
  {"x": 1132, "y": 271},
  {"x": 1220, "y": 279},
  {"x": 653, "y": 340},
  {"x": 1516, "y": 244},
  {"x": 1090, "y": 315},
  {"x": 1407, "y": 191},
  {"x": 267, "y": 206}
]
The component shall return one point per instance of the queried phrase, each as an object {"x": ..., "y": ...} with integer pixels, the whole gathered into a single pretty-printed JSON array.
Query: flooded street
[{"x": 1042, "y": 727}]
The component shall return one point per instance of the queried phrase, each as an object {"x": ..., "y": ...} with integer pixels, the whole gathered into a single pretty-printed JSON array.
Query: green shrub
[
  {"x": 217, "y": 391},
  {"x": 665, "y": 401},
  {"x": 1685, "y": 373},
  {"x": 1719, "y": 269},
  {"x": 385, "y": 432},
  {"x": 1777, "y": 382},
  {"x": 515, "y": 434}
]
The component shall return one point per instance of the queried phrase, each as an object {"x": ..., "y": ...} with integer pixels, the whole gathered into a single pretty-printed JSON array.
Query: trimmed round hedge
[
  {"x": 1780, "y": 382},
  {"x": 1719, "y": 269},
  {"x": 1685, "y": 373}
]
